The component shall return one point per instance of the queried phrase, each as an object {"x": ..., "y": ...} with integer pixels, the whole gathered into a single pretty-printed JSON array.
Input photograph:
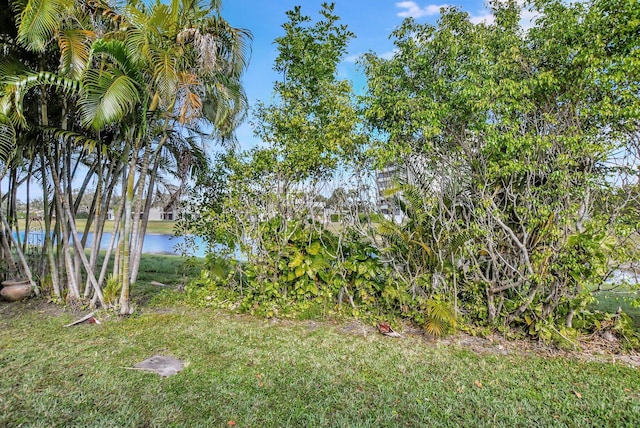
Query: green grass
[
  {"x": 163, "y": 227},
  {"x": 264, "y": 373},
  {"x": 610, "y": 301},
  {"x": 168, "y": 270},
  {"x": 163, "y": 268},
  {"x": 260, "y": 373}
]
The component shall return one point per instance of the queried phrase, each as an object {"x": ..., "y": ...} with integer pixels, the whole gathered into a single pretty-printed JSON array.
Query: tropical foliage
[
  {"x": 514, "y": 144},
  {"x": 122, "y": 91},
  {"x": 509, "y": 136},
  {"x": 510, "y": 146}
]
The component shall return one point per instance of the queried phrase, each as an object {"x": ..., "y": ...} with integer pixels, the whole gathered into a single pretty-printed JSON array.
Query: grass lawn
[
  {"x": 169, "y": 270},
  {"x": 610, "y": 301},
  {"x": 163, "y": 227},
  {"x": 247, "y": 372}
]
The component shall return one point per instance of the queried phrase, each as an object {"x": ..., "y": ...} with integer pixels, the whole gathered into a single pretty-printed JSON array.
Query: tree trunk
[
  {"x": 12, "y": 216},
  {"x": 125, "y": 304},
  {"x": 48, "y": 243},
  {"x": 94, "y": 212},
  {"x": 76, "y": 239},
  {"x": 20, "y": 254},
  {"x": 135, "y": 266},
  {"x": 107, "y": 257},
  {"x": 27, "y": 219},
  {"x": 135, "y": 243},
  {"x": 62, "y": 224},
  {"x": 100, "y": 211}
]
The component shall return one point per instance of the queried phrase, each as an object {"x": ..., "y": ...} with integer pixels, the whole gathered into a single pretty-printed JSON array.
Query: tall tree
[
  {"x": 509, "y": 132},
  {"x": 310, "y": 130},
  {"x": 136, "y": 71},
  {"x": 312, "y": 121}
]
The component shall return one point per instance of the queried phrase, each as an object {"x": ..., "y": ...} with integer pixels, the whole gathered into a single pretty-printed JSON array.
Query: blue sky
[{"x": 372, "y": 21}]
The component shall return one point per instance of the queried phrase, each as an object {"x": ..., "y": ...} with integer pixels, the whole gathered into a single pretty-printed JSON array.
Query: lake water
[
  {"x": 628, "y": 276},
  {"x": 153, "y": 243},
  {"x": 159, "y": 244}
]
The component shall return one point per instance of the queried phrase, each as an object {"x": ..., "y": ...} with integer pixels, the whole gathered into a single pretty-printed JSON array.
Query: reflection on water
[{"x": 624, "y": 276}]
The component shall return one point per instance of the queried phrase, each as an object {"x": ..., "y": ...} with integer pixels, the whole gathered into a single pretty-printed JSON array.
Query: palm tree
[
  {"x": 58, "y": 34},
  {"x": 173, "y": 66},
  {"x": 137, "y": 72}
]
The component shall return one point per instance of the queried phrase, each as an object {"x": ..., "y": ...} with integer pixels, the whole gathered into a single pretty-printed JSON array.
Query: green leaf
[
  {"x": 296, "y": 260},
  {"x": 314, "y": 248},
  {"x": 38, "y": 22}
]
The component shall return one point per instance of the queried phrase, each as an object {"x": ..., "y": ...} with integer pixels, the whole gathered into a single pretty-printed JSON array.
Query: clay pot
[{"x": 15, "y": 290}]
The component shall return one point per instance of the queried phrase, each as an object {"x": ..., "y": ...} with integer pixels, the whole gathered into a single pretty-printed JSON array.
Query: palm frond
[
  {"x": 162, "y": 16},
  {"x": 136, "y": 14},
  {"x": 75, "y": 49},
  {"x": 7, "y": 139},
  {"x": 199, "y": 159},
  {"x": 110, "y": 93},
  {"x": 137, "y": 44},
  {"x": 441, "y": 310},
  {"x": 38, "y": 23},
  {"x": 107, "y": 97},
  {"x": 111, "y": 290},
  {"x": 74, "y": 138},
  {"x": 166, "y": 77},
  {"x": 140, "y": 37},
  {"x": 16, "y": 86},
  {"x": 439, "y": 317},
  {"x": 233, "y": 45},
  {"x": 457, "y": 241},
  {"x": 11, "y": 67},
  {"x": 101, "y": 7},
  {"x": 225, "y": 106},
  {"x": 190, "y": 108},
  {"x": 67, "y": 85},
  {"x": 116, "y": 51},
  {"x": 434, "y": 327}
]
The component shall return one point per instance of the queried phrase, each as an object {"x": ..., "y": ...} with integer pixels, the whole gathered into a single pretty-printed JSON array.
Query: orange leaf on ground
[
  {"x": 231, "y": 423},
  {"x": 577, "y": 394},
  {"x": 384, "y": 328},
  {"x": 478, "y": 384}
]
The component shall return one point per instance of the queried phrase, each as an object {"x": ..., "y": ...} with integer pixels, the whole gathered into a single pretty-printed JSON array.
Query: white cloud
[
  {"x": 412, "y": 10},
  {"x": 352, "y": 59},
  {"x": 527, "y": 17},
  {"x": 388, "y": 55},
  {"x": 486, "y": 18}
]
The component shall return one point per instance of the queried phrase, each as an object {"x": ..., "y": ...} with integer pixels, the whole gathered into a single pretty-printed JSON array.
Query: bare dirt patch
[
  {"x": 9, "y": 309},
  {"x": 597, "y": 347}
]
